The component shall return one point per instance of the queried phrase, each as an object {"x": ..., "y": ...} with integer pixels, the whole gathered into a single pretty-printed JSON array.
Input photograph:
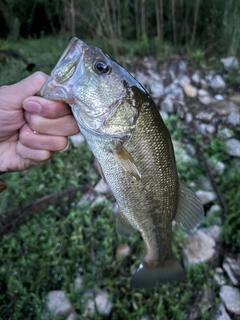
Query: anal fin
[
  {"x": 190, "y": 209},
  {"x": 123, "y": 227}
]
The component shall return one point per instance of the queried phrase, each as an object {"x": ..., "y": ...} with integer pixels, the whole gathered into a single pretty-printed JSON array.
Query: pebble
[
  {"x": 167, "y": 104},
  {"x": 156, "y": 90},
  {"x": 214, "y": 232},
  {"x": 219, "y": 276},
  {"x": 233, "y": 147},
  {"x": 78, "y": 284},
  {"x": 196, "y": 77},
  {"x": 230, "y": 62},
  {"x": 101, "y": 187},
  {"x": 189, "y": 90},
  {"x": 217, "y": 83},
  {"x": 102, "y": 302},
  {"x": 221, "y": 313},
  {"x": 206, "y": 196},
  {"x": 232, "y": 267},
  {"x": 219, "y": 97},
  {"x": 233, "y": 119},
  {"x": 201, "y": 248},
  {"x": 231, "y": 298},
  {"x": 123, "y": 250},
  {"x": 57, "y": 303},
  {"x": 77, "y": 139}
]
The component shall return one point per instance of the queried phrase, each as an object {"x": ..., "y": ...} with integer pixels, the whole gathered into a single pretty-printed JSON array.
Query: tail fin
[{"x": 149, "y": 277}]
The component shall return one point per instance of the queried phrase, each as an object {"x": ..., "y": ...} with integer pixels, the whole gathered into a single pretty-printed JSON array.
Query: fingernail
[{"x": 32, "y": 106}]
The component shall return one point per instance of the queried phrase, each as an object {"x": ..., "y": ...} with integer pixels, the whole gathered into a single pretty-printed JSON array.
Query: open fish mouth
[{"x": 66, "y": 73}]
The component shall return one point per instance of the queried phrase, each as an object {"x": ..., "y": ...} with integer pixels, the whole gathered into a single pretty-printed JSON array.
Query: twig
[{"x": 12, "y": 219}]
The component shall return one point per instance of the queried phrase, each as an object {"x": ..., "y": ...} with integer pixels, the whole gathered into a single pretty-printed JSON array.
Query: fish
[
  {"x": 3, "y": 185},
  {"x": 134, "y": 152}
]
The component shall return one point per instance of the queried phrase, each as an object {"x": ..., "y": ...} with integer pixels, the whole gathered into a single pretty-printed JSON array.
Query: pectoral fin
[
  {"x": 123, "y": 227},
  {"x": 3, "y": 185},
  {"x": 127, "y": 162},
  {"x": 190, "y": 209}
]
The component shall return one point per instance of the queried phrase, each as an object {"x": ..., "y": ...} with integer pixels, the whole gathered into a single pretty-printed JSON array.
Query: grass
[{"x": 64, "y": 241}]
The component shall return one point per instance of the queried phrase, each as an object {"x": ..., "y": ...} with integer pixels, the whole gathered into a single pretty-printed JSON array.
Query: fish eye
[{"x": 101, "y": 67}]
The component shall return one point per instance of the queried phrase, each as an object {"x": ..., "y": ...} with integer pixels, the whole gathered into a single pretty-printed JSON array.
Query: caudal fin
[{"x": 147, "y": 277}]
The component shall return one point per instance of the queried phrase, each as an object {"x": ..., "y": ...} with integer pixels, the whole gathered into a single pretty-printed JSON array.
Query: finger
[
  {"x": 24, "y": 88},
  {"x": 46, "y": 108},
  {"x": 64, "y": 126},
  {"x": 38, "y": 156},
  {"x": 40, "y": 141}
]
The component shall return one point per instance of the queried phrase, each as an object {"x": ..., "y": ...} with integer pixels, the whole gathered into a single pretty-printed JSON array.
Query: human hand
[{"x": 31, "y": 127}]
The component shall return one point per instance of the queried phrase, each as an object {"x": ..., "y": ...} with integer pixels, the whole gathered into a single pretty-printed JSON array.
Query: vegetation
[{"x": 209, "y": 24}]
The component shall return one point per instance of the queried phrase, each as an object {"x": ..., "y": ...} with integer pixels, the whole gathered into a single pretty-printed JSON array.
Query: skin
[{"x": 31, "y": 127}]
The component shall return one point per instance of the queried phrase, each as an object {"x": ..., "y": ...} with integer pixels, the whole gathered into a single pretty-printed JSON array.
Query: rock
[
  {"x": 145, "y": 317},
  {"x": 213, "y": 231},
  {"x": 206, "y": 129},
  {"x": 217, "y": 83},
  {"x": 156, "y": 90},
  {"x": 57, "y": 303},
  {"x": 77, "y": 139},
  {"x": 102, "y": 302},
  {"x": 206, "y": 100},
  {"x": 78, "y": 284},
  {"x": 219, "y": 277},
  {"x": 216, "y": 166},
  {"x": 213, "y": 215},
  {"x": 189, "y": 90},
  {"x": 123, "y": 250},
  {"x": 235, "y": 98},
  {"x": 219, "y": 97},
  {"x": 231, "y": 264},
  {"x": 184, "y": 79},
  {"x": 233, "y": 147},
  {"x": 72, "y": 316},
  {"x": 180, "y": 153},
  {"x": 231, "y": 298},
  {"x": 230, "y": 62},
  {"x": 167, "y": 104},
  {"x": 226, "y": 133},
  {"x": 205, "y": 301},
  {"x": 202, "y": 93},
  {"x": 101, "y": 187},
  {"x": 143, "y": 79},
  {"x": 196, "y": 78},
  {"x": 233, "y": 119},
  {"x": 164, "y": 115},
  {"x": 221, "y": 313},
  {"x": 225, "y": 107},
  {"x": 201, "y": 248},
  {"x": 206, "y": 196},
  {"x": 205, "y": 116},
  {"x": 170, "y": 89}
]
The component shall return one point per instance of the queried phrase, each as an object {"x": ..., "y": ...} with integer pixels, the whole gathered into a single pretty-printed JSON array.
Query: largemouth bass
[{"x": 134, "y": 152}]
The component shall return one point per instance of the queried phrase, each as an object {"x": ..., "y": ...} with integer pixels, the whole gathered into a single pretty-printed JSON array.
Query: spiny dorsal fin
[
  {"x": 127, "y": 162},
  {"x": 123, "y": 227},
  {"x": 190, "y": 209}
]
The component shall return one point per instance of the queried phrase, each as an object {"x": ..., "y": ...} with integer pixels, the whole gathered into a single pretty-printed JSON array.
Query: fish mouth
[{"x": 66, "y": 73}]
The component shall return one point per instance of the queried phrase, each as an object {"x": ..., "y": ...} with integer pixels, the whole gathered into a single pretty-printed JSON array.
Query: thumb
[{"x": 15, "y": 94}]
